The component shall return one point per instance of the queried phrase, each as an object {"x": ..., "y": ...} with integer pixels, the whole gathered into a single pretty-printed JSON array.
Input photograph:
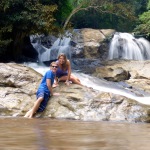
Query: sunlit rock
[
  {"x": 135, "y": 73},
  {"x": 19, "y": 85},
  {"x": 93, "y": 39},
  {"x": 112, "y": 74}
]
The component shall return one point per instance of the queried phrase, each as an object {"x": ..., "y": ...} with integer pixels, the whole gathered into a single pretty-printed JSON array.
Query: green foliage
[
  {"x": 20, "y": 18},
  {"x": 3, "y": 40},
  {"x": 144, "y": 22},
  {"x": 63, "y": 10},
  {"x": 148, "y": 6},
  {"x": 144, "y": 26},
  {"x": 105, "y": 14},
  {"x": 28, "y": 15}
]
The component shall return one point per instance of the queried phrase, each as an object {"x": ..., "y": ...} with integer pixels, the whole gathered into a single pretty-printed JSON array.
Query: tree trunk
[
  {"x": 18, "y": 44},
  {"x": 72, "y": 13}
]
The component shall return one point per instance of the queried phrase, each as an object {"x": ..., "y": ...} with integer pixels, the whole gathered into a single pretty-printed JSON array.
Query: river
[{"x": 51, "y": 134}]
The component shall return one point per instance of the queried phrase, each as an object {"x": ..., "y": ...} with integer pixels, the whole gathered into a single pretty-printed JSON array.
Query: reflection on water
[{"x": 48, "y": 134}]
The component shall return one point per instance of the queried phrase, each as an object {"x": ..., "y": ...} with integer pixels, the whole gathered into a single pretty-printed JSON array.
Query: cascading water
[
  {"x": 99, "y": 84},
  {"x": 126, "y": 46},
  {"x": 61, "y": 45}
]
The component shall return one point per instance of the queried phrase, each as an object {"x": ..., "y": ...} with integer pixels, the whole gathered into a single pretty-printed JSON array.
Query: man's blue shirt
[{"x": 43, "y": 86}]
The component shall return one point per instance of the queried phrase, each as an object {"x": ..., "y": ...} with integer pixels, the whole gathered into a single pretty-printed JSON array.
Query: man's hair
[{"x": 53, "y": 63}]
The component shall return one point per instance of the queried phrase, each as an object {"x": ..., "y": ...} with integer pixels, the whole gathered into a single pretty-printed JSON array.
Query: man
[{"x": 44, "y": 91}]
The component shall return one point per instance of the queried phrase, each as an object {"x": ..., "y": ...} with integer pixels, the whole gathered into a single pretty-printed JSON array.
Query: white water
[
  {"x": 99, "y": 84},
  {"x": 126, "y": 46},
  {"x": 61, "y": 45}
]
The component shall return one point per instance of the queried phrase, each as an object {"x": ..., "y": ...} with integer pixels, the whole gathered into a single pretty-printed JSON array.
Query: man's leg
[{"x": 31, "y": 112}]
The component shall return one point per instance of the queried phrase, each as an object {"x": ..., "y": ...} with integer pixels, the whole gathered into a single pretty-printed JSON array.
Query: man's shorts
[{"x": 43, "y": 104}]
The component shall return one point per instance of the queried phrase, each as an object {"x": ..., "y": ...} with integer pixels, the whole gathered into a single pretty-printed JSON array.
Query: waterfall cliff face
[
  {"x": 92, "y": 46},
  {"x": 126, "y": 46},
  {"x": 79, "y": 44}
]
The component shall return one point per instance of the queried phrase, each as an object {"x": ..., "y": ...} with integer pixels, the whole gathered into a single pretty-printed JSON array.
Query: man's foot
[{"x": 28, "y": 114}]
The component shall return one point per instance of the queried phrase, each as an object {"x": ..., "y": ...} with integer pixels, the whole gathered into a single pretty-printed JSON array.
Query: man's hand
[{"x": 56, "y": 94}]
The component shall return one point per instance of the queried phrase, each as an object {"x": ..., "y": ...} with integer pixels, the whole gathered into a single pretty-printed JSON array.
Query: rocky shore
[{"x": 18, "y": 85}]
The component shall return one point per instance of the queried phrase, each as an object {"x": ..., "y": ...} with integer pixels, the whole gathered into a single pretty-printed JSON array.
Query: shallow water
[{"x": 48, "y": 134}]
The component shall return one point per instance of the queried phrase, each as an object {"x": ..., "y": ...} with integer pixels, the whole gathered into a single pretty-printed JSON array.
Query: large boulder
[
  {"x": 91, "y": 43},
  {"x": 17, "y": 95},
  {"x": 18, "y": 85},
  {"x": 135, "y": 73},
  {"x": 82, "y": 103},
  {"x": 112, "y": 74}
]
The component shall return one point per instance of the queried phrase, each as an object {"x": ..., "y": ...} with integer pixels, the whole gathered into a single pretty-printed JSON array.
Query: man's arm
[{"x": 48, "y": 82}]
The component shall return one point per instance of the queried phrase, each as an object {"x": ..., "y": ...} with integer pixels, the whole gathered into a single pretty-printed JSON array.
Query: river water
[{"x": 49, "y": 134}]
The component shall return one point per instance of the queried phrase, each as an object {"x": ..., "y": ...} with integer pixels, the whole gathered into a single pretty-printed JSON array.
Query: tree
[
  {"x": 20, "y": 18},
  {"x": 114, "y": 7},
  {"x": 64, "y": 9},
  {"x": 144, "y": 22}
]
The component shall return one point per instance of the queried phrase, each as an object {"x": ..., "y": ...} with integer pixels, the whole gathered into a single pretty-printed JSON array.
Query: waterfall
[
  {"x": 126, "y": 46},
  {"x": 61, "y": 45}
]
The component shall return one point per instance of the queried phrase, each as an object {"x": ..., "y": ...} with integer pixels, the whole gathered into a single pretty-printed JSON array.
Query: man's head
[{"x": 53, "y": 66}]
